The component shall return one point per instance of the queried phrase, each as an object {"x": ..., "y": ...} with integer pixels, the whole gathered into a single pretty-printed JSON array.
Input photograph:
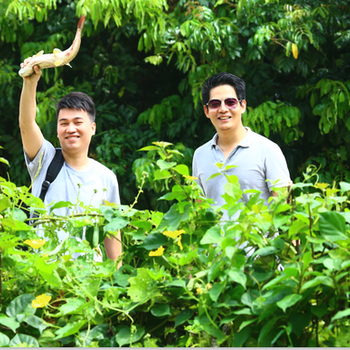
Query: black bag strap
[{"x": 52, "y": 172}]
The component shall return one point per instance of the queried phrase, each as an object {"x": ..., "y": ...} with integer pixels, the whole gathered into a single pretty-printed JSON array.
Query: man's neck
[
  {"x": 77, "y": 162},
  {"x": 228, "y": 139}
]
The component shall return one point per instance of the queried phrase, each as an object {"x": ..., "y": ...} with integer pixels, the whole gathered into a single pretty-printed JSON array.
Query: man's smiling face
[
  {"x": 74, "y": 130},
  {"x": 225, "y": 118}
]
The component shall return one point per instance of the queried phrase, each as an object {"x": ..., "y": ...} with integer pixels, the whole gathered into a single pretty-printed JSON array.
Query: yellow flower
[
  {"x": 199, "y": 290},
  {"x": 173, "y": 234},
  {"x": 158, "y": 252},
  {"x": 45, "y": 255},
  {"x": 188, "y": 177},
  {"x": 35, "y": 243},
  {"x": 179, "y": 243},
  {"x": 41, "y": 301}
]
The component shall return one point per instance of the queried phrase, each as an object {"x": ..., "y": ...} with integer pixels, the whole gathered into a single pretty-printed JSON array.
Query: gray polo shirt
[{"x": 257, "y": 159}]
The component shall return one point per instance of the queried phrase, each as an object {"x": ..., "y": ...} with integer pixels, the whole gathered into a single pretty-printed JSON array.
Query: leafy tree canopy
[{"x": 144, "y": 62}]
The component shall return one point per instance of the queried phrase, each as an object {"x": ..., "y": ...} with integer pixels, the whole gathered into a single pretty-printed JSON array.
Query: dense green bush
[
  {"x": 144, "y": 61},
  {"x": 183, "y": 283}
]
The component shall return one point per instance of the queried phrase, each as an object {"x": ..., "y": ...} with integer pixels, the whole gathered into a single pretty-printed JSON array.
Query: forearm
[
  {"x": 113, "y": 247},
  {"x": 27, "y": 105},
  {"x": 32, "y": 137}
]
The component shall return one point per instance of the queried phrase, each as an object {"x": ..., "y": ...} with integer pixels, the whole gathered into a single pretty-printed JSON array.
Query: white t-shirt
[{"x": 92, "y": 187}]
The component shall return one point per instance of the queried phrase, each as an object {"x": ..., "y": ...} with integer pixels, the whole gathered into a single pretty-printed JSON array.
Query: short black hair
[
  {"x": 223, "y": 78},
  {"x": 79, "y": 101}
]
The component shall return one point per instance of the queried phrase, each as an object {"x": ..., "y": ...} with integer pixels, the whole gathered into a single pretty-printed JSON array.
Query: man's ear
[
  {"x": 206, "y": 111},
  {"x": 244, "y": 106},
  {"x": 93, "y": 125}
]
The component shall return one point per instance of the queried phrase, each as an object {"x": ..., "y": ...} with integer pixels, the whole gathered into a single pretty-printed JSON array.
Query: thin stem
[
  {"x": 87, "y": 334},
  {"x": 159, "y": 325},
  {"x": 98, "y": 301},
  {"x": 143, "y": 180}
]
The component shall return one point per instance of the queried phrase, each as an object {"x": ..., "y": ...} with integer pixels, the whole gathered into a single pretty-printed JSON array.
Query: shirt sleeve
[
  {"x": 41, "y": 160},
  {"x": 277, "y": 172},
  {"x": 113, "y": 190},
  {"x": 195, "y": 172}
]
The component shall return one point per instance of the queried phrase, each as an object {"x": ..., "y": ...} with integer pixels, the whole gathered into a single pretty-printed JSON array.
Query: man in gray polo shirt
[{"x": 256, "y": 158}]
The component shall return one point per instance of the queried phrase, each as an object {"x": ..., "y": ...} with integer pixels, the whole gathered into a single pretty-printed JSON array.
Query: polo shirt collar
[{"x": 246, "y": 142}]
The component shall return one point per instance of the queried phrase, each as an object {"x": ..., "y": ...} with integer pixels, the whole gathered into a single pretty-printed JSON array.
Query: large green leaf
[
  {"x": 238, "y": 276},
  {"x": 317, "y": 281},
  {"x": 108, "y": 212},
  {"x": 20, "y": 339},
  {"x": 214, "y": 331},
  {"x": 332, "y": 226},
  {"x": 72, "y": 305},
  {"x": 213, "y": 235},
  {"x": 149, "y": 148},
  {"x": 5, "y": 161},
  {"x": 99, "y": 332},
  {"x": 69, "y": 329},
  {"x": 161, "y": 310},
  {"x": 19, "y": 214},
  {"x": 9, "y": 322},
  {"x": 47, "y": 339},
  {"x": 161, "y": 174},
  {"x": 182, "y": 317},
  {"x": 266, "y": 329},
  {"x": 215, "y": 291},
  {"x": 182, "y": 169},
  {"x": 174, "y": 216},
  {"x": 163, "y": 165},
  {"x": 36, "y": 322},
  {"x": 147, "y": 225},
  {"x": 116, "y": 224},
  {"x": 15, "y": 225},
  {"x": 4, "y": 340},
  {"x": 344, "y": 186},
  {"x": 105, "y": 269},
  {"x": 154, "y": 241},
  {"x": 319, "y": 310},
  {"x": 289, "y": 301},
  {"x": 297, "y": 227},
  {"x": 341, "y": 314},
  {"x": 4, "y": 202},
  {"x": 128, "y": 336},
  {"x": 21, "y": 305},
  {"x": 266, "y": 251},
  {"x": 142, "y": 287},
  {"x": 241, "y": 337},
  {"x": 92, "y": 285},
  {"x": 48, "y": 272}
]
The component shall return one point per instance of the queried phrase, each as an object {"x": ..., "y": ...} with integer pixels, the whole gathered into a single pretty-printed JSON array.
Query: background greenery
[{"x": 143, "y": 62}]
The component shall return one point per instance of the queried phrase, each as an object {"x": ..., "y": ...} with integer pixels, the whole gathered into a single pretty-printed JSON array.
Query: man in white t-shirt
[
  {"x": 256, "y": 158},
  {"x": 81, "y": 178}
]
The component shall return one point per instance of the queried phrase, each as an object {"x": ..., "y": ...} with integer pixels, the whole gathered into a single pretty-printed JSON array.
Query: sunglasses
[{"x": 230, "y": 103}]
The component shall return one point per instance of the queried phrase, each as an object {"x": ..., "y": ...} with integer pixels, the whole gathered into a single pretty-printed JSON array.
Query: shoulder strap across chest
[{"x": 52, "y": 172}]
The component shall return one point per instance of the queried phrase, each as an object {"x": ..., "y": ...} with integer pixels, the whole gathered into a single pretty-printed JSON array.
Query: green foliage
[
  {"x": 276, "y": 276},
  {"x": 144, "y": 62}
]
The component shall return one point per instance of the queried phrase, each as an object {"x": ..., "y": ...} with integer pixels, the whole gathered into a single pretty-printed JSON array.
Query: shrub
[{"x": 183, "y": 282}]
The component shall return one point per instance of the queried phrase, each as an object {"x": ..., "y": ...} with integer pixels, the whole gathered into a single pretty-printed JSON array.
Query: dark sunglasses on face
[{"x": 230, "y": 103}]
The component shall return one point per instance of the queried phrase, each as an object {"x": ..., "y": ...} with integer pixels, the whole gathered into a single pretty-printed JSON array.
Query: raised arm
[{"x": 32, "y": 137}]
